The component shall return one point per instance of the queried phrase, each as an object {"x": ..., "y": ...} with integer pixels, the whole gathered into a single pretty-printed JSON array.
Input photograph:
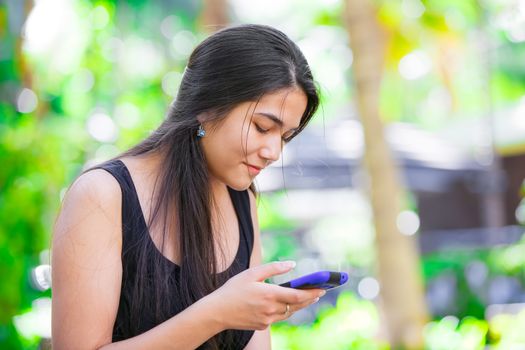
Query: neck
[{"x": 218, "y": 188}]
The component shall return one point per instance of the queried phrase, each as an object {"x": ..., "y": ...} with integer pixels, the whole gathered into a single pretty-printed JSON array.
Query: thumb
[{"x": 262, "y": 272}]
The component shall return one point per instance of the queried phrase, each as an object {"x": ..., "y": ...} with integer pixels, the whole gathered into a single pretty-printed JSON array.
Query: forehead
[{"x": 288, "y": 105}]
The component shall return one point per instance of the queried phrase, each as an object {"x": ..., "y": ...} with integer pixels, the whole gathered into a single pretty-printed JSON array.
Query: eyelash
[
  {"x": 264, "y": 131},
  {"x": 261, "y": 130}
]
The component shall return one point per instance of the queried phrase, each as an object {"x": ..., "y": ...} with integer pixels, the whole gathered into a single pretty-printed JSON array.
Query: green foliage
[
  {"x": 354, "y": 324},
  {"x": 451, "y": 334},
  {"x": 43, "y": 150},
  {"x": 506, "y": 331},
  {"x": 465, "y": 76},
  {"x": 454, "y": 263},
  {"x": 351, "y": 324},
  {"x": 30, "y": 179},
  {"x": 270, "y": 218},
  {"x": 510, "y": 260},
  {"x": 28, "y": 202},
  {"x": 280, "y": 246}
]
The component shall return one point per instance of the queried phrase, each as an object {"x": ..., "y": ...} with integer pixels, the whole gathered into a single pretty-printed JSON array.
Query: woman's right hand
[{"x": 245, "y": 301}]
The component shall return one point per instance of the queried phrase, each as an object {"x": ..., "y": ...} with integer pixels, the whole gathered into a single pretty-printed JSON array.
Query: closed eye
[
  {"x": 285, "y": 139},
  {"x": 261, "y": 130}
]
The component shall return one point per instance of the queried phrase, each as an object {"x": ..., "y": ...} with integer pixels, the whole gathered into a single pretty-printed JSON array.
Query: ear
[{"x": 203, "y": 117}]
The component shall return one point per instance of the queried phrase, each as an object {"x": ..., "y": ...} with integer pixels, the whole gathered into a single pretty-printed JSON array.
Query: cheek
[
  {"x": 246, "y": 144},
  {"x": 232, "y": 146},
  {"x": 251, "y": 148},
  {"x": 229, "y": 149}
]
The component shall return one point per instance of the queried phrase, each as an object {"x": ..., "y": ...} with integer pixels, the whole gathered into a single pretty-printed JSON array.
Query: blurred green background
[{"x": 83, "y": 80}]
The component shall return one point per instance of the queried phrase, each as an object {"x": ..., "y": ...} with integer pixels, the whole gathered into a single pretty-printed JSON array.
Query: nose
[{"x": 271, "y": 149}]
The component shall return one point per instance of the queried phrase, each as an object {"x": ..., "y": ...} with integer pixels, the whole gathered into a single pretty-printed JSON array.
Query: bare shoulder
[
  {"x": 93, "y": 201},
  {"x": 86, "y": 262},
  {"x": 97, "y": 186}
]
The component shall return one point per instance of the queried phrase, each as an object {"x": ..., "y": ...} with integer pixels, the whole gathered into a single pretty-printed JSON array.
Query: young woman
[{"x": 159, "y": 248}]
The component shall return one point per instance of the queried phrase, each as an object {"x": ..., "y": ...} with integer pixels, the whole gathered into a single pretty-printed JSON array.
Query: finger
[
  {"x": 297, "y": 307},
  {"x": 262, "y": 272},
  {"x": 287, "y": 311},
  {"x": 293, "y": 308},
  {"x": 295, "y": 296}
]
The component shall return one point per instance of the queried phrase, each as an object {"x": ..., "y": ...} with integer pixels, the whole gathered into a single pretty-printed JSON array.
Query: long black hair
[{"x": 234, "y": 65}]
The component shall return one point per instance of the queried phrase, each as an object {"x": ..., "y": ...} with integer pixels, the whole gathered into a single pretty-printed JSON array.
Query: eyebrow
[{"x": 274, "y": 118}]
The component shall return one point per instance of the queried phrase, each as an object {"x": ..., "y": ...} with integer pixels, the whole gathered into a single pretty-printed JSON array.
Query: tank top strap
[
  {"x": 117, "y": 169},
  {"x": 241, "y": 204},
  {"x": 132, "y": 217},
  {"x": 136, "y": 241}
]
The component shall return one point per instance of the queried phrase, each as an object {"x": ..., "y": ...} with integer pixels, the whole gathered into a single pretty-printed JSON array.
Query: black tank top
[{"x": 136, "y": 240}]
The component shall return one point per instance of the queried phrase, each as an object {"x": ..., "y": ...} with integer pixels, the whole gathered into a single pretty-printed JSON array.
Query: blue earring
[{"x": 201, "y": 132}]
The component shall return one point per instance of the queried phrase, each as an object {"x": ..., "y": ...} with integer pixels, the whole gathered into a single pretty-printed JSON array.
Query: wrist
[{"x": 216, "y": 315}]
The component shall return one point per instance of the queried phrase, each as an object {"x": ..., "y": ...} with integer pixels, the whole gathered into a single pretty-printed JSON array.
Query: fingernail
[
  {"x": 315, "y": 300},
  {"x": 323, "y": 292},
  {"x": 288, "y": 264}
]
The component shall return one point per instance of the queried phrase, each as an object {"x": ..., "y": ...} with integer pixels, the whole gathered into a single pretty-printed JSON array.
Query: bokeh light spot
[
  {"x": 27, "y": 101},
  {"x": 415, "y": 65},
  {"x": 408, "y": 222},
  {"x": 171, "y": 82},
  {"x": 102, "y": 128},
  {"x": 368, "y": 288},
  {"x": 99, "y": 17}
]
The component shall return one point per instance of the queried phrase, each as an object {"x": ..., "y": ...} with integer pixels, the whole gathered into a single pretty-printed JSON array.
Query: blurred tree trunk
[
  {"x": 214, "y": 15},
  {"x": 494, "y": 186},
  {"x": 398, "y": 266}
]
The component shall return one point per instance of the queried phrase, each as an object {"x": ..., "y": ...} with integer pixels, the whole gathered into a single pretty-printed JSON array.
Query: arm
[
  {"x": 260, "y": 339},
  {"x": 87, "y": 273},
  {"x": 173, "y": 333}
]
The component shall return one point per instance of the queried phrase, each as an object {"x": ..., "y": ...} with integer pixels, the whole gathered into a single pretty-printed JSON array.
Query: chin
[{"x": 240, "y": 185}]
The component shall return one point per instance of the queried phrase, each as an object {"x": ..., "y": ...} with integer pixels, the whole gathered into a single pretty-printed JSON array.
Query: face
[{"x": 251, "y": 137}]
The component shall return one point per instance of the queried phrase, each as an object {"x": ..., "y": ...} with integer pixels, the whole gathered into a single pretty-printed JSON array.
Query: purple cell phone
[{"x": 320, "y": 279}]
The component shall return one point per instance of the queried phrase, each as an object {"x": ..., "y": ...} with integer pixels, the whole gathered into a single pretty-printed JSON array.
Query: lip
[{"x": 254, "y": 170}]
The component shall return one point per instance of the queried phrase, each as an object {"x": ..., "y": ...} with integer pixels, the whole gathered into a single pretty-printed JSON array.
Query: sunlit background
[{"x": 433, "y": 243}]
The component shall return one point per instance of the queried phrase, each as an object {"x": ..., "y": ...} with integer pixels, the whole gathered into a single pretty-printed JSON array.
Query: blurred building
[{"x": 446, "y": 173}]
